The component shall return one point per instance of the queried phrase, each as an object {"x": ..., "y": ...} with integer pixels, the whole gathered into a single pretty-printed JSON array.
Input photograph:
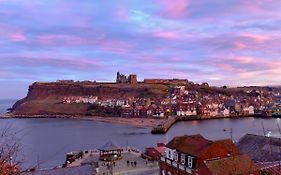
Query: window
[
  {"x": 190, "y": 162},
  {"x": 169, "y": 154},
  {"x": 182, "y": 159},
  {"x": 176, "y": 156}
]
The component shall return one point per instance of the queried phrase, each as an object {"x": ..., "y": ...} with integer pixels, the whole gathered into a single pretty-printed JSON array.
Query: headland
[{"x": 146, "y": 103}]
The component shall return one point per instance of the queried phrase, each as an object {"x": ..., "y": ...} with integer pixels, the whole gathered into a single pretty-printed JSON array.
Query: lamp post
[{"x": 230, "y": 131}]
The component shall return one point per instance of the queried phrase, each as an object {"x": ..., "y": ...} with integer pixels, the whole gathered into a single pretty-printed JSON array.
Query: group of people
[
  {"x": 108, "y": 164},
  {"x": 133, "y": 163}
]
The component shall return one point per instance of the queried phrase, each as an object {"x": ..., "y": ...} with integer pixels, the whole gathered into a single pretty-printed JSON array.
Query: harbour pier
[{"x": 171, "y": 120}]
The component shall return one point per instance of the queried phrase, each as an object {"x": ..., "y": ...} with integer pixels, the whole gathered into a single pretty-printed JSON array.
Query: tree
[{"x": 9, "y": 148}]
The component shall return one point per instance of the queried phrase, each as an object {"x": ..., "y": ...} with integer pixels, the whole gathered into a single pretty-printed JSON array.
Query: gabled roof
[
  {"x": 109, "y": 146},
  {"x": 227, "y": 145},
  {"x": 192, "y": 144},
  {"x": 236, "y": 165}
]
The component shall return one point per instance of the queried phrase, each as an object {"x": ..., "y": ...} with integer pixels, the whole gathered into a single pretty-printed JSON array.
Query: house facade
[{"x": 190, "y": 155}]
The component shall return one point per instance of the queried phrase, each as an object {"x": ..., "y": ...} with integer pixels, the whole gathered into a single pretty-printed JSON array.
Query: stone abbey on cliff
[{"x": 132, "y": 79}]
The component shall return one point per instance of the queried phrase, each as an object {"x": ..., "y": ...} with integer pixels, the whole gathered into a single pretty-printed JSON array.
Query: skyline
[{"x": 222, "y": 42}]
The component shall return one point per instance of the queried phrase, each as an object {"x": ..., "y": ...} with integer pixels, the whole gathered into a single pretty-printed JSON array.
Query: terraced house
[{"x": 198, "y": 156}]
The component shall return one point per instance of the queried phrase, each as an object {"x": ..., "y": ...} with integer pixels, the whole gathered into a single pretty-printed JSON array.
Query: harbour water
[
  {"x": 45, "y": 142},
  {"x": 5, "y": 104}
]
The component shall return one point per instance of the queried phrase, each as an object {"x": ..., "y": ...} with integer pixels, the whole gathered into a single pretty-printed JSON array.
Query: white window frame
[
  {"x": 190, "y": 161},
  {"x": 169, "y": 154},
  {"x": 176, "y": 155},
  {"x": 183, "y": 159}
]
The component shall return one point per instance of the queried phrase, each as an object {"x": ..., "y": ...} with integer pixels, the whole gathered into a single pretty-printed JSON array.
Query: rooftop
[
  {"x": 235, "y": 165},
  {"x": 192, "y": 144},
  {"x": 260, "y": 148},
  {"x": 109, "y": 146}
]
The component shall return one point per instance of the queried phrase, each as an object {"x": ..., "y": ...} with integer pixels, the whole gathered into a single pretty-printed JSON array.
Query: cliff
[{"x": 46, "y": 98}]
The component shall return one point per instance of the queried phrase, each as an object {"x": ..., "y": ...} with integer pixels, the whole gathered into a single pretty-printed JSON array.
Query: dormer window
[
  {"x": 176, "y": 156},
  {"x": 182, "y": 159},
  {"x": 169, "y": 154},
  {"x": 190, "y": 162}
]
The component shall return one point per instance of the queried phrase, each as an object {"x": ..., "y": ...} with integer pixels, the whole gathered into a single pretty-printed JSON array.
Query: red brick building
[{"x": 192, "y": 155}]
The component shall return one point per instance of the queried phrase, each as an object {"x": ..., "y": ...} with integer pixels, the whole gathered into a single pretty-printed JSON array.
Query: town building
[{"x": 196, "y": 155}]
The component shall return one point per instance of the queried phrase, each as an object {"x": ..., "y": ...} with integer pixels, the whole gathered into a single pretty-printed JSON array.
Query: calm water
[
  {"x": 46, "y": 141},
  {"x": 5, "y": 104}
]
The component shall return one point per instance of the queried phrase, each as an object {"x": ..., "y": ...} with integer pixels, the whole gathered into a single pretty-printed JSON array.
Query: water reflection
[{"x": 48, "y": 140}]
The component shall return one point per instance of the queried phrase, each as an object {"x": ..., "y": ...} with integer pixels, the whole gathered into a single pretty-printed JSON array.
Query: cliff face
[
  {"x": 56, "y": 91},
  {"x": 45, "y": 98}
]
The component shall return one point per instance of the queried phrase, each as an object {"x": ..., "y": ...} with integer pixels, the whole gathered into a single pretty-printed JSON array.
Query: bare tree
[{"x": 9, "y": 148}]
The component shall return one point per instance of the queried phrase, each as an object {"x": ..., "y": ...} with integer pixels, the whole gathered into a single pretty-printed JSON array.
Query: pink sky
[{"x": 223, "y": 42}]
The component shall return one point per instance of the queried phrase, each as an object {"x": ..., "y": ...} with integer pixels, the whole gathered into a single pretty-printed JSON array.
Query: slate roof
[
  {"x": 260, "y": 148},
  {"x": 80, "y": 170},
  {"x": 109, "y": 146},
  {"x": 236, "y": 165}
]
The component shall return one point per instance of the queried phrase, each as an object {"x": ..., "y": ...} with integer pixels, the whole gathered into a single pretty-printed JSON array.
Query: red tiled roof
[
  {"x": 228, "y": 144},
  {"x": 161, "y": 145},
  {"x": 192, "y": 144}
]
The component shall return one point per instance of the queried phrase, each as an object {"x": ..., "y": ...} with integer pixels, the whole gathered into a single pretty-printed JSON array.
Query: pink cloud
[
  {"x": 17, "y": 37},
  {"x": 174, "y": 8},
  {"x": 54, "y": 39},
  {"x": 166, "y": 35},
  {"x": 52, "y": 60},
  {"x": 12, "y": 33},
  {"x": 257, "y": 37},
  {"x": 122, "y": 14},
  {"x": 240, "y": 45},
  {"x": 262, "y": 7},
  {"x": 100, "y": 42},
  {"x": 225, "y": 66},
  {"x": 248, "y": 66},
  {"x": 243, "y": 59}
]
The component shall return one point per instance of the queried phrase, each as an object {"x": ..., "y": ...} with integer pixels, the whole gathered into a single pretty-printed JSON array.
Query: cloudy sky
[{"x": 223, "y": 42}]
